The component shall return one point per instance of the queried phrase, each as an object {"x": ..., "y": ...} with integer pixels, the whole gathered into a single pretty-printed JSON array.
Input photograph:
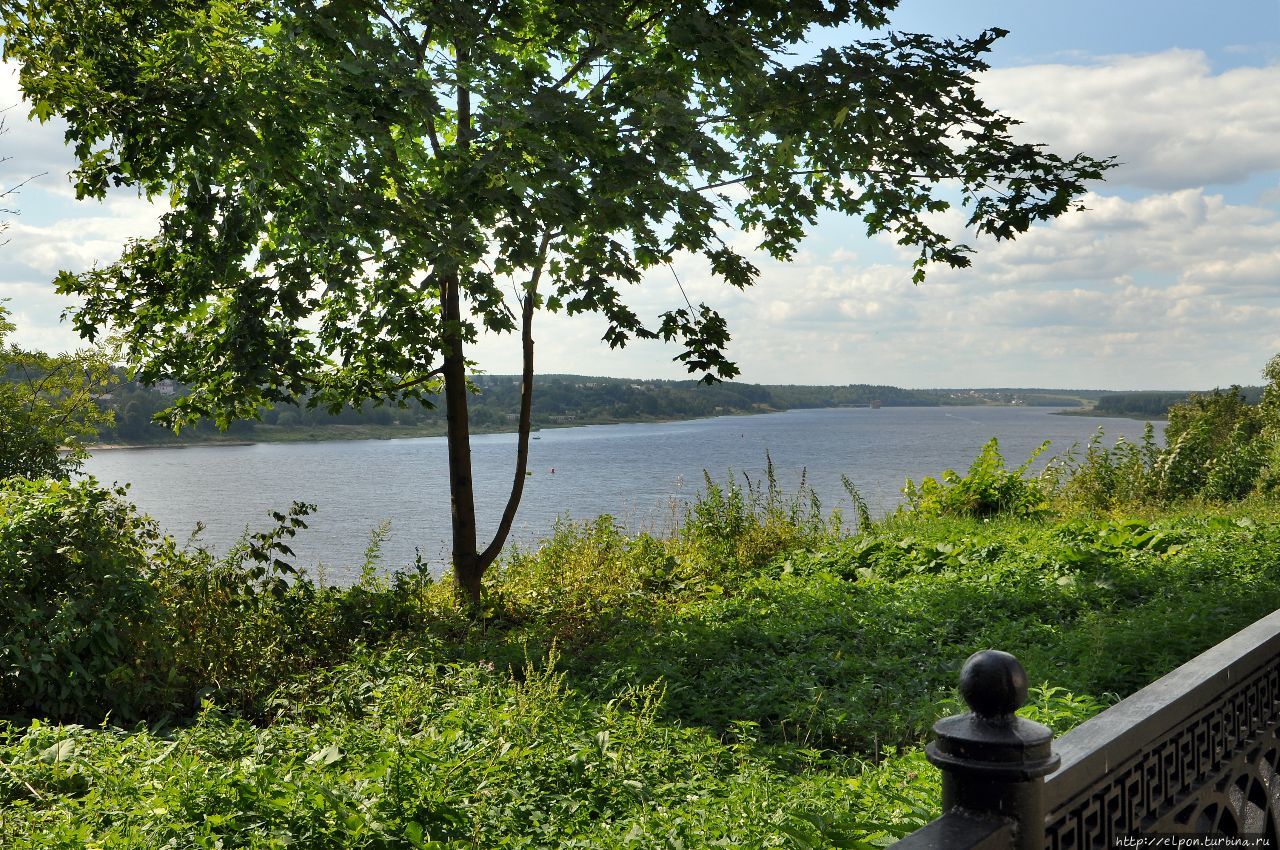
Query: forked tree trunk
[{"x": 469, "y": 565}]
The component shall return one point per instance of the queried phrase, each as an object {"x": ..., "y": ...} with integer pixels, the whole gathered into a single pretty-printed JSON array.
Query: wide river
[{"x": 641, "y": 474}]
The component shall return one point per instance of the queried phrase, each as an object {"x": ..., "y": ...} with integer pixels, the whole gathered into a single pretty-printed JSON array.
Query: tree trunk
[
  {"x": 470, "y": 567},
  {"x": 462, "y": 499},
  {"x": 522, "y": 440}
]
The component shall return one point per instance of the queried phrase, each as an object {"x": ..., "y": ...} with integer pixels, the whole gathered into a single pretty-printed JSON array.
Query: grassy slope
[{"x": 759, "y": 681}]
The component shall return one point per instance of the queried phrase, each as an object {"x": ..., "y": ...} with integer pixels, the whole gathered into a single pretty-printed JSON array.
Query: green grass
[{"x": 759, "y": 679}]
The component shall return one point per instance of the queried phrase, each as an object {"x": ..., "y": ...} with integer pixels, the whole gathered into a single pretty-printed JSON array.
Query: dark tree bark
[{"x": 462, "y": 500}]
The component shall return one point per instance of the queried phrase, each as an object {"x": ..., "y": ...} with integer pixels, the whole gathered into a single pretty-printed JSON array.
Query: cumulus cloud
[
  {"x": 36, "y": 253},
  {"x": 1176, "y": 289},
  {"x": 77, "y": 243},
  {"x": 1171, "y": 121},
  {"x": 1178, "y": 234},
  {"x": 1174, "y": 286},
  {"x": 32, "y": 148}
]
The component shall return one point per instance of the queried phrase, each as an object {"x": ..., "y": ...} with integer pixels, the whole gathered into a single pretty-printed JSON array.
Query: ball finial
[{"x": 994, "y": 684}]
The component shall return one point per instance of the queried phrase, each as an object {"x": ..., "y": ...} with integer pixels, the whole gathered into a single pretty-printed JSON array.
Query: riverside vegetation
[{"x": 762, "y": 677}]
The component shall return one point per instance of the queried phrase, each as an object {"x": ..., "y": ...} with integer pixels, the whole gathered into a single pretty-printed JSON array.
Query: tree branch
[
  {"x": 420, "y": 53},
  {"x": 803, "y": 171},
  {"x": 526, "y": 411},
  {"x": 439, "y": 370}
]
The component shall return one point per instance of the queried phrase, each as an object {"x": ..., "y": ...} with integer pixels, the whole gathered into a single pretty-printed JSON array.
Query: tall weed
[{"x": 988, "y": 489}]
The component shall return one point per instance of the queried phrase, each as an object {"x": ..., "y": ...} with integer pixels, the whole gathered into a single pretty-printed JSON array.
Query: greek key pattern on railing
[{"x": 1217, "y": 774}]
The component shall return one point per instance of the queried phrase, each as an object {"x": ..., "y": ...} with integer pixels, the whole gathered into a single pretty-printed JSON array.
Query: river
[{"x": 642, "y": 474}]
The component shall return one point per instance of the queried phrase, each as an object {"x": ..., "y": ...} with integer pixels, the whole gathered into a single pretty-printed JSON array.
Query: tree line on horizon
[{"x": 559, "y": 400}]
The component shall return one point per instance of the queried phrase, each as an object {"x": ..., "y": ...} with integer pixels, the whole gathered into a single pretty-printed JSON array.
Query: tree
[
  {"x": 355, "y": 184},
  {"x": 48, "y": 403}
]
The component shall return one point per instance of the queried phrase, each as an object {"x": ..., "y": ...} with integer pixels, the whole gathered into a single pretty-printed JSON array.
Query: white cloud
[
  {"x": 33, "y": 149},
  {"x": 1177, "y": 287},
  {"x": 76, "y": 244},
  {"x": 35, "y": 254},
  {"x": 1178, "y": 234},
  {"x": 1180, "y": 289},
  {"x": 1170, "y": 120}
]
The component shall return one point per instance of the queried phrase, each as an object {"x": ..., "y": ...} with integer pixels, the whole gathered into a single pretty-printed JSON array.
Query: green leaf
[
  {"x": 326, "y": 756},
  {"x": 63, "y": 750}
]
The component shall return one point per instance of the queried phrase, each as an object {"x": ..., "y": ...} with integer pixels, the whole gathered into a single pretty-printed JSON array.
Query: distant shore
[
  {"x": 1106, "y": 414},
  {"x": 328, "y": 433}
]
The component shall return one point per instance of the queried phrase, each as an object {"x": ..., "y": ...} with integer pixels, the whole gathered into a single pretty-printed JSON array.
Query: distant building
[{"x": 166, "y": 386}]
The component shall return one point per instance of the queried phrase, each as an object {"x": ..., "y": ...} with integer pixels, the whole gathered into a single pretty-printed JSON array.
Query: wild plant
[
  {"x": 81, "y": 621},
  {"x": 730, "y": 530},
  {"x": 1103, "y": 479},
  {"x": 987, "y": 490}
]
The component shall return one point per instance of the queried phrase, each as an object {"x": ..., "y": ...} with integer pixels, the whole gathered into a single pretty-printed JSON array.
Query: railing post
[{"x": 993, "y": 763}]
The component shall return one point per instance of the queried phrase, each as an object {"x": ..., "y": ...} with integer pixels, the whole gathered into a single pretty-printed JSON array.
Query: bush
[
  {"x": 1105, "y": 479},
  {"x": 730, "y": 531},
  {"x": 987, "y": 490},
  {"x": 80, "y": 623},
  {"x": 250, "y": 622},
  {"x": 1215, "y": 448}
]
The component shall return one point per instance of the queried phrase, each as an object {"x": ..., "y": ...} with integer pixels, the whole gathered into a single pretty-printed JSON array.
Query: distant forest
[
  {"x": 559, "y": 400},
  {"x": 564, "y": 400},
  {"x": 1155, "y": 404}
]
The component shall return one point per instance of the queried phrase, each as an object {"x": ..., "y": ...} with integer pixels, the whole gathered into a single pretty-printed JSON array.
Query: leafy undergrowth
[{"x": 757, "y": 680}]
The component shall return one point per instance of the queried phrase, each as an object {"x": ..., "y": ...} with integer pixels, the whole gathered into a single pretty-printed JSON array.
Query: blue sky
[{"x": 1170, "y": 280}]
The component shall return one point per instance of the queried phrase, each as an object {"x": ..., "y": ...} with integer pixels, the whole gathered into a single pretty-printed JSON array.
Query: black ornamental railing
[{"x": 1196, "y": 753}]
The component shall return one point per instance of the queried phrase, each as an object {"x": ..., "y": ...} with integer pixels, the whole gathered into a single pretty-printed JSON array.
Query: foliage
[
  {"x": 755, "y": 678},
  {"x": 100, "y": 615},
  {"x": 1218, "y": 447},
  {"x": 247, "y": 622},
  {"x": 731, "y": 529},
  {"x": 81, "y": 623},
  {"x": 1214, "y": 447},
  {"x": 781, "y": 710},
  {"x": 578, "y": 586},
  {"x": 48, "y": 405},
  {"x": 325, "y": 135},
  {"x": 560, "y": 400},
  {"x": 343, "y": 178},
  {"x": 851, "y": 645},
  {"x": 396, "y": 750},
  {"x": 1106, "y": 478},
  {"x": 1138, "y": 404},
  {"x": 988, "y": 489}
]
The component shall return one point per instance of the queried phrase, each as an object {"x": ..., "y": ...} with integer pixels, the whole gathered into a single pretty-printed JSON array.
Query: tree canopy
[
  {"x": 48, "y": 404},
  {"x": 359, "y": 187}
]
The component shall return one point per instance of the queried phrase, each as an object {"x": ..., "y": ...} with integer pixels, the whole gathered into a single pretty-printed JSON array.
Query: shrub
[
  {"x": 80, "y": 623},
  {"x": 987, "y": 490},
  {"x": 249, "y": 622},
  {"x": 1215, "y": 447},
  {"x": 730, "y": 531},
  {"x": 1105, "y": 479}
]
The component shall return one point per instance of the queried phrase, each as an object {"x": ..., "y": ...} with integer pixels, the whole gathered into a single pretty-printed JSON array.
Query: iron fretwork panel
[{"x": 1217, "y": 773}]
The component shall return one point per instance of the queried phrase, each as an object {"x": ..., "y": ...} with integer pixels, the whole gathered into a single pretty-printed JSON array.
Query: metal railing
[{"x": 1194, "y": 753}]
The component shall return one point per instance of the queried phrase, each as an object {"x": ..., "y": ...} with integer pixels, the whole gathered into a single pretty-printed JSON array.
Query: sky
[{"x": 1170, "y": 279}]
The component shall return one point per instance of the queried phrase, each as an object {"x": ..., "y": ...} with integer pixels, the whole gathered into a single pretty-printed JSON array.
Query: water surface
[{"x": 642, "y": 474}]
